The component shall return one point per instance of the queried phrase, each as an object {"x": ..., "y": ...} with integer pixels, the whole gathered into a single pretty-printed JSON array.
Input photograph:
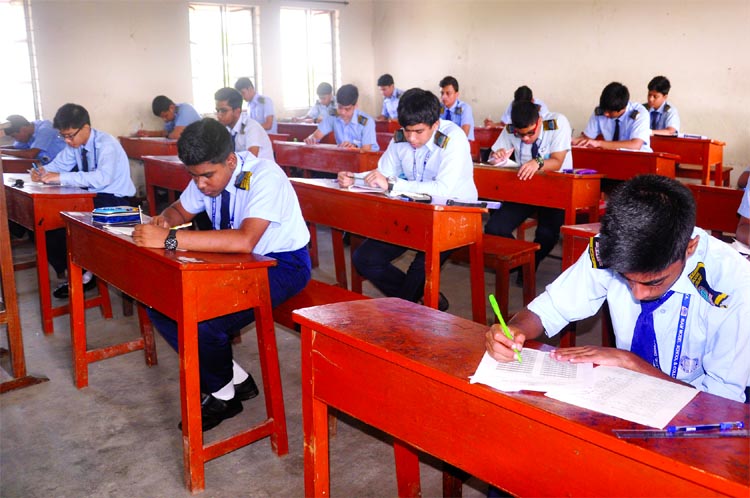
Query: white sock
[
  {"x": 226, "y": 393},
  {"x": 239, "y": 374},
  {"x": 87, "y": 276}
]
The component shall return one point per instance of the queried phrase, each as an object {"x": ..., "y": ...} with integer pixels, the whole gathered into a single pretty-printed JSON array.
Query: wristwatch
[
  {"x": 170, "y": 243},
  {"x": 540, "y": 161}
]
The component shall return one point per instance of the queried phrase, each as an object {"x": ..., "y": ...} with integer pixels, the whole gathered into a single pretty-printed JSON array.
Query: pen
[
  {"x": 507, "y": 333},
  {"x": 723, "y": 426},
  {"x": 140, "y": 214},
  {"x": 184, "y": 225}
]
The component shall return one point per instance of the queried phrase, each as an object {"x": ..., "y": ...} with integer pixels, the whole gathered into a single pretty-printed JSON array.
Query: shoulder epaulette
[
  {"x": 596, "y": 261},
  {"x": 243, "y": 180},
  {"x": 634, "y": 114},
  {"x": 598, "y": 111},
  {"x": 666, "y": 107},
  {"x": 261, "y": 99},
  {"x": 549, "y": 124},
  {"x": 398, "y": 136},
  {"x": 441, "y": 139},
  {"x": 333, "y": 111},
  {"x": 362, "y": 119},
  {"x": 242, "y": 128},
  {"x": 646, "y": 106},
  {"x": 442, "y": 110},
  {"x": 459, "y": 110},
  {"x": 698, "y": 279},
  {"x": 510, "y": 128}
]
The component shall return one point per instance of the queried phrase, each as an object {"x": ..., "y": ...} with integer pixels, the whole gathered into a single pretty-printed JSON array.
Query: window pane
[
  {"x": 16, "y": 89},
  {"x": 241, "y": 58},
  {"x": 206, "y": 54}
]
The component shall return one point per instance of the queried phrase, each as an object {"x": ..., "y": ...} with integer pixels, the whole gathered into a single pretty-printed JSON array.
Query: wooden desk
[
  {"x": 556, "y": 190},
  {"x": 166, "y": 172},
  {"x": 376, "y": 361},
  {"x": 188, "y": 293},
  {"x": 388, "y": 126},
  {"x": 716, "y": 207},
  {"x": 137, "y": 147},
  {"x": 298, "y": 131},
  {"x": 624, "y": 164},
  {"x": 702, "y": 151},
  {"x": 486, "y": 136},
  {"x": 422, "y": 227},
  {"x": 38, "y": 208},
  {"x": 327, "y": 158},
  {"x": 12, "y": 164}
]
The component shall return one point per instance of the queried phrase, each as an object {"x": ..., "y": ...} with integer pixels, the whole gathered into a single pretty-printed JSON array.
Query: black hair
[
  {"x": 16, "y": 122},
  {"x": 418, "y": 106},
  {"x": 659, "y": 84},
  {"x": 71, "y": 116},
  {"x": 243, "y": 82},
  {"x": 324, "y": 89},
  {"x": 523, "y": 114},
  {"x": 523, "y": 93},
  {"x": 647, "y": 226},
  {"x": 232, "y": 96},
  {"x": 449, "y": 80},
  {"x": 347, "y": 95},
  {"x": 206, "y": 140},
  {"x": 160, "y": 104},
  {"x": 385, "y": 80},
  {"x": 614, "y": 97}
]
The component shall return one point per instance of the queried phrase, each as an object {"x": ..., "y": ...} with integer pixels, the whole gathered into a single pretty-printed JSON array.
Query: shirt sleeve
[
  {"x": 561, "y": 139},
  {"x": 326, "y": 126},
  {"x": 592, "y": 127},
  {"x": 186, "y": 116},
  {"x": 506, "y": 115},
  {"x": 389, "y": 163},
  {"x": 672, "y": 119},
  {"x": 368, "y": 135},
  {"x": 314, "y": 112},
  {"x": 43, "y": 139},
  {"x": 64, "y": 161},
  {"x": 744, "y": 209},
  {"x": 191, "y": 199},
  {"x": 503, "y": 141},
  {"x": 642, "y": 129},
  {"x": 100, "y": 178},
  {"x": 254, "y": 135},
  {"x": 268, "y": 108}
]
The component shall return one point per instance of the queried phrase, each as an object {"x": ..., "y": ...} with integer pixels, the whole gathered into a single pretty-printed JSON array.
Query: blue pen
[{"x": 723, "y": 426}]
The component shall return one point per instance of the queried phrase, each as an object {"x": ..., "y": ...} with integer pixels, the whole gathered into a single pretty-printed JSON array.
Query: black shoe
[
  {"x": 214, "y": 411},
  {"x": 62, "y": 291},
  {"x": 246, "y": 390}
]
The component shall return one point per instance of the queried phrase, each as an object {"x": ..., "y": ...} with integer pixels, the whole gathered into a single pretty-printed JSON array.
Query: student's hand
[
  {"x": 149, "y": 235},
  {"x": 50, "y": 177},
  {"x": 500, "y": 157},
  {"x": 295, "y": 119},
  {"x": 36, "y": 175},
  {"x": 488, "y": 122},
  {"x": 584, "y": 141},
  {"x": 310, "y": 140},
  {"x": 345, "y": 178},
  {"x": 500, "y": 347},
  {"x": 599, "y": 355},
  {"x": 348, "y": 145},
  {"x": 377, "y": 179},
  {"x": 159, "y": 221},
  {"x": 528, "y": 170},
  {"x": 141, "y": 133}
]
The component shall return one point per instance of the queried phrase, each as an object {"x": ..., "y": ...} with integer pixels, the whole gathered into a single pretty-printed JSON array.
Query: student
[
  {"x": 33, "y": 140},
  {"x": 621, "y": 123},
  {"x": 428, "y": 155},
  {"x": 175, "y": 116},
  {"x": 539, "y": 144},
  {"x": 522, "y": 94},
  {"x": 259, "y": 107},
  {"x": 391, "y": 94},
  {"x": 352, "y": 128},
  {"x": 325, "y": 106},
  {"x": 650, "y": 256},
  {"x": 453, "y": 109},
  {"x": 92, "y": 159},
  {"x": 664, "y": 118},
  {"x": 253, "y": 208},
  {"x": 743, "y": 227},
  {"x": 246, "y": 133}
]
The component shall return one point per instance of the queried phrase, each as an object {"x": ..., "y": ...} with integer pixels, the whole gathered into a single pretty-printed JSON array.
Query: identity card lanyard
[
  {"x": 234, "y": 202},
  {"x": 678, "y": 340},
  {"x": 424, "y": 165}
]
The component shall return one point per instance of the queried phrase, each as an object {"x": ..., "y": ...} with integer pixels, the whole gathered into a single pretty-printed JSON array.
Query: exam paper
[
  {"x": 629, "y": 395},
  {"x": 122, "y": 230}
]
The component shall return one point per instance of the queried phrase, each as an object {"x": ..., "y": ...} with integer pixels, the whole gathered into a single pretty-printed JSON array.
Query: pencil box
[{"x": 116, "y": 215}]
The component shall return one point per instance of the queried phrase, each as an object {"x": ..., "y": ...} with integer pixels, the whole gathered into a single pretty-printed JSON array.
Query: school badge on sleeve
[{"x": 243, "y": 180}]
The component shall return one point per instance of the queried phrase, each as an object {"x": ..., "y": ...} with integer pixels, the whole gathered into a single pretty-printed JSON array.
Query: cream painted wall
[{"x": 567, "y": 51}]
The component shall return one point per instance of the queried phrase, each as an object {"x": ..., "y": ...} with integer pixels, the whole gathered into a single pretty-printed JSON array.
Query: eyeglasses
[
  {"x": 223, "y": 110},
  {"x": 70, "y": 136},
  {"x": 527, "y": 133}
]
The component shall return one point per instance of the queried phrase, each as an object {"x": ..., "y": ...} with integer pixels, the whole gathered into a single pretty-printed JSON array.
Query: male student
[
  {"x": 428, "y": 155},
  {"x": 453, "y": 109},
  {"x": 259, "y": 107},
  {"x": 33, "y": 140},
  {"x": 246, "y": 133},
  {"x": 743, "y": 227},
  {"x": 325, "y": 106},
  {"x": 391, "y": 94},
  {"x": 253, "y": 208},
  {"x": 352, "y": 128},
  {"x": 175, "y": 116},
  {"x": 679, "y": 298},
  {"x": 92, "y": 159},
  {"x": 621, "y": 124},
  {"x": 539, "y": 144},
  {"x": 522, "y": 94},
  {"x": 663, "y": 117}
]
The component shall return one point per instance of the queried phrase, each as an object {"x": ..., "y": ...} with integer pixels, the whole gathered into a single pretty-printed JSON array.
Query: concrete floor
[{"x": 119, "y": 437}]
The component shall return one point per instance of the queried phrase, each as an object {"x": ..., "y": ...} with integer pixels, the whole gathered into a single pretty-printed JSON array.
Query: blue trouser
[
  {"x": 286, "y": 279},
  {"x": 373, "y": 259},
  {"x": 503, "y": 221}
]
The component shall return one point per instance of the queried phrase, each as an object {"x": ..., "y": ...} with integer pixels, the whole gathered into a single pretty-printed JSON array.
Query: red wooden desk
[
  {"x": 188, "y": 292},
  {"x": 388, "y": 126},
  {"x": 703, "y": 151},
  {"x": 556, "y": 190},
  {"x": 137, "y": 147},
  {"x": 486, "y": 136},
  {"x": 13, "y": 164},
  {"x": 37, "y": 208},
  {"x": 166, "y": 172},
  {"x": 327, "y": 158},
  {"x": 377, "y": 361},
  {"x": 299, "y": 131},
  {"x": 624, "y": 164},
  {"x": 716, "y": 207},
  {"x": 422, "y": 227}
]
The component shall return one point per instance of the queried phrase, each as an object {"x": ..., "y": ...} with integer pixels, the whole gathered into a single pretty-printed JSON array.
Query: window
[
  {"x": 222, "y": 49},
  {"x": 309, "y": 51},
  {"x": 18, "y": 85}
]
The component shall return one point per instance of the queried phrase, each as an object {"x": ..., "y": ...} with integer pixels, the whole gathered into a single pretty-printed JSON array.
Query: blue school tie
[
  {"x": 234, "y": 142},
  {"x": 616, "y": 134},
  {"x": 84, "y": 160},
  {"x": 534, "y": 150},
  {"x": 447, "y": 114},
  {"x": 654, "y": 119},
  {"x": 644, "y": 335},
  {"x": 224, "y": 223}
]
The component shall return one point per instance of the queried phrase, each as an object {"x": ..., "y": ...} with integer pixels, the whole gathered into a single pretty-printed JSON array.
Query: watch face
[{"x": 170, "y": 243}]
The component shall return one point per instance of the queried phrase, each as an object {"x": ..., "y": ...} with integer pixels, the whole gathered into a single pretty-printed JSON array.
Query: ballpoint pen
[
  {"x": 722, "y": 426},
  {"x": 507, "y": 333},
  {"x": 184, "y": 225}
]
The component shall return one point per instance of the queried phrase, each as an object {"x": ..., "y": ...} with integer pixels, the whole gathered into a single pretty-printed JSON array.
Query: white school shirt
[
  {"x": 634, "y": 123},
  {"x": 249, "y": 133},
  {"x": 549, "y": 140}
]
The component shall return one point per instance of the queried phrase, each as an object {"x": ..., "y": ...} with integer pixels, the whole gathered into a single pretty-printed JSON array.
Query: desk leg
[
  {"x": 476, "y": 266},
  {"x": 151, "y": 198},
  {"x": 407, "y": 469},
  {"x": 42, "y": 271},
  {"x": 77, "y": 324},
  {"x": 339, "y": 260},
  {"x": 432, "y": 278},
  {"x": 315, "y": 427}
]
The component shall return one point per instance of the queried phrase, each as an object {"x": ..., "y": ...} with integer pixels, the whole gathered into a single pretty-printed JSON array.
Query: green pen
[{"x": 496, "y": 309}]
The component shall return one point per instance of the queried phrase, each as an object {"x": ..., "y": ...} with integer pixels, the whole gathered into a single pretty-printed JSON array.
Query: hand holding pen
[{"x": 493, "y": 338}]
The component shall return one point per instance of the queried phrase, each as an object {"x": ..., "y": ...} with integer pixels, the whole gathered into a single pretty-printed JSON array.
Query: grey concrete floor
[{"x": 119, "y": 437}]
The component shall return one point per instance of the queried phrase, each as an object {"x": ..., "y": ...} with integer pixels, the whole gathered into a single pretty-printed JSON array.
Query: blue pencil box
[{"x": 116, "y": 215}]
